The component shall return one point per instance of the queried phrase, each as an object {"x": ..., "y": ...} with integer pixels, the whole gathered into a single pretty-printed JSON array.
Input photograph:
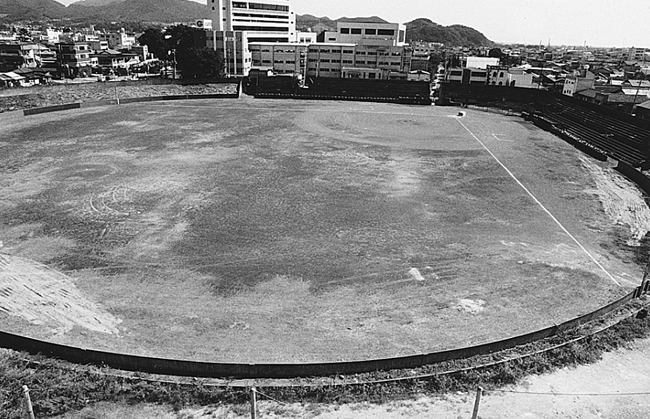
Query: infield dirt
[{"x": 265, "y": 231}]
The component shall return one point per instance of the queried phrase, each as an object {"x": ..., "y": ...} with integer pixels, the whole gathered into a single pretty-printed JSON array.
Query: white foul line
[{"x": 540, "y": 204}]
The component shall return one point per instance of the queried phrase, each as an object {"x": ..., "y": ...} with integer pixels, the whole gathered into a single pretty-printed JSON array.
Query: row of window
[
  {"x": 261, "y": 16},
  {"x": 368, "y": 31},
  {"x": 260, "y": 29},
  {"x": 259, "y": 6}
]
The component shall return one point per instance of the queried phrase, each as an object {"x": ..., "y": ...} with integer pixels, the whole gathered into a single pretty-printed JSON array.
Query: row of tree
[{"x": 185, "y": 46}]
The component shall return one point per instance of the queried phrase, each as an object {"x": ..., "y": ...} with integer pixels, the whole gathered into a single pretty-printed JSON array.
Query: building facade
[
  {"x": 370, "y": 33},
  {"x": 332, "y": 60},
  {"x": 262, "y": 20},
  {"x": 234, "y": 48}
]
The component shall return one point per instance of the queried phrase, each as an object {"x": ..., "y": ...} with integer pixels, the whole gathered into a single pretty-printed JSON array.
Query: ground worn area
[{"x": 267, "y": 231}]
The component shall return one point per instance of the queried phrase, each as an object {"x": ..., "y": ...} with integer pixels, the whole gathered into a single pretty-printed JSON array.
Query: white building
[
  {"x": 481, "y": 62},
  {"x": 262, "y": 20},
  {"x": 371, "y": 33},
  {"x": 509, "y": 76},
  {"x": 306, "y": 37},
  {"x": 234, "y": 48},
  {"x": 578, "y": 82}
]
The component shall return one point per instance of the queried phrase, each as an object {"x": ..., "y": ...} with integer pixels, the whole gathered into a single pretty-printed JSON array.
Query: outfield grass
[{"x": 267, "y": 231}]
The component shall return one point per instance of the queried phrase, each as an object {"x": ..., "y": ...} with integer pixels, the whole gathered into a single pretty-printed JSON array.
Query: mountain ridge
[{"x": 170, "y": 11}]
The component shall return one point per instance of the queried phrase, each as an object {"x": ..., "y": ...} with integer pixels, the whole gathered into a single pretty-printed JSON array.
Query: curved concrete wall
[{"x": 208, "y": 369}]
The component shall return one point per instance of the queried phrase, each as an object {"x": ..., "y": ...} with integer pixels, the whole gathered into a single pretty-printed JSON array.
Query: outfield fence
[{"x": 249, "y": 370}]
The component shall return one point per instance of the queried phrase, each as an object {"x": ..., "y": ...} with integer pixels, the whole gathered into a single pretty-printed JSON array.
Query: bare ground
[{"x": 296, "y": 226}]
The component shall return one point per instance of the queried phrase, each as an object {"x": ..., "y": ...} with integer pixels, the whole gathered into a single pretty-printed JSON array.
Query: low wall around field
[
  {"x": 118, "y": 101},
  {"x": 239, "y": 370}
]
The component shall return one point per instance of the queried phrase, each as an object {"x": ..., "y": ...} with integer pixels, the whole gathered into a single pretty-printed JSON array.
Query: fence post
[
  {"x": 479, "y": 392},
  {"x": 253, "y": 403},
  {"x": 28, "y": 403}
]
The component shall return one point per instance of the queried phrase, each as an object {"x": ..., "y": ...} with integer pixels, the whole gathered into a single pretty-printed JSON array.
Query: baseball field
[{"x": 302, "y": 231}]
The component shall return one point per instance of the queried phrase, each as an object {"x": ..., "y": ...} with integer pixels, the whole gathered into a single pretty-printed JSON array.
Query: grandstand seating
[{"x": 617, "y": 138}]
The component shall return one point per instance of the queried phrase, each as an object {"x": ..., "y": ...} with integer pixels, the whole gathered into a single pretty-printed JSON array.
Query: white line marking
[
  {"x": 496, "y": 136},
  {"x": 541, "y": 205}
]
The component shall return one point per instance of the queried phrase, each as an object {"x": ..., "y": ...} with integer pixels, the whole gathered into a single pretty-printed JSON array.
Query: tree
[
  {"x": 199, "y": 63},
  {"x": 155, "y": 40},
  {"x": 495, "y": 53},
  {"x": 187, "y": 46}
]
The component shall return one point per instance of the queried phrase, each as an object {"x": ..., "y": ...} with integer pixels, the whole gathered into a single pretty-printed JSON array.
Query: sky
[{"x": 598, "y": 23}]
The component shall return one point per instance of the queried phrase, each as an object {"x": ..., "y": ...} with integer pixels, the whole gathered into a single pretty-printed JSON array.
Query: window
[
  {"x": 259, "y": 6},
  {"x": 501, "y": 74},
  {"x": 355, "y": 31},
  {"x": 239, "y": 5},
  {"x": 260, "y": 29},
  {"x": 345, "y": 31},
  {"x": 371, "y": 31},
  {"x": 494, "y": 74},
  {"x": 348, "y": 51},
  {"x": 386, "y": 32}
]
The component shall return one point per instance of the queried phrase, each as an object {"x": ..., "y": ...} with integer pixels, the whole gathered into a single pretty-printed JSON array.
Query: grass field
[{"x": 284, "y": 231}]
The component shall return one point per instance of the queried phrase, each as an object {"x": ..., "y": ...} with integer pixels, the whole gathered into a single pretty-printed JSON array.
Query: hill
[
  {"x": 32, "y": 9},
  {"x": 166, "y": 11},
  {"x": 455, "y": 35},
  {"x": 140, "y": 10},
  {"x": 95, "y": 3}
]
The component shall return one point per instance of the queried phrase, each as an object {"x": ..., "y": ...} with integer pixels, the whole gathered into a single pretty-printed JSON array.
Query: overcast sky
[{"x": 622, "y": 23}]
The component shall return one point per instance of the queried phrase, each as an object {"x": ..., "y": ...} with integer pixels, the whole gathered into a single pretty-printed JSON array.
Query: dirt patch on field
[
  {"x": 621, "y": 200},
  {"x": 43, "y": 296}
]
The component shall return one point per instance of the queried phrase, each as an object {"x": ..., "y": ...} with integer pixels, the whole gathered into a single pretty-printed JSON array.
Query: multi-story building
[
  {"x": 368, "y": 33},
  {"x": 74, "y": 57},
  {"x": 637, "y": 54},
  {"x": 467, "y": 75},
  {"x": 578, "y": 82},
  {"x": 282, "y": 58},
  {"x": 233, "y": 45},
  {"x": 306, "y": 37},
  {"x": 119, "y": 39},
  {"x": 262, "y": 20},
  {"x": 509, "y": 76},
  {"x": 332, "y": 60}
]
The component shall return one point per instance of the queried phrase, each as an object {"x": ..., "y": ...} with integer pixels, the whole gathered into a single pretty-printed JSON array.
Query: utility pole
[{"x": 253, "y": 403}]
